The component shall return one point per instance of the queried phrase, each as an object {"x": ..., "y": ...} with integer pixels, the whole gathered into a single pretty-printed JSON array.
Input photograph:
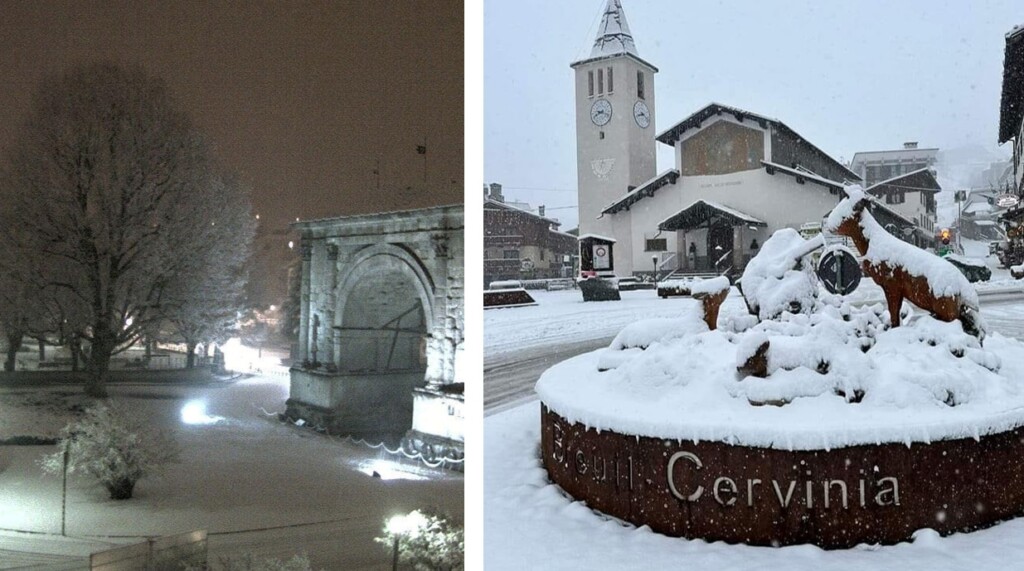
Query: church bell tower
[{"x": 615, "y": 147}]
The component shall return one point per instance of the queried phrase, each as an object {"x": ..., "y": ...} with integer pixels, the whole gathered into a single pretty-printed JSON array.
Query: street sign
[
  {"x": 839, "y": 271},
  {"x": 1007, "y": 200}
]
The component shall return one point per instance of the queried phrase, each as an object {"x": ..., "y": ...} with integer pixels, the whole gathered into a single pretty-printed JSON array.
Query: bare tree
[
  {"x": 115, "y": 195},
  {"x": 203, "y": 304}
]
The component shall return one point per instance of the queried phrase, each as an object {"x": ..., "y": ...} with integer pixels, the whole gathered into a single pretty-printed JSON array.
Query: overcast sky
[
  {"x": 848, "y": 76},
  {"x": 300, "y": 97}
]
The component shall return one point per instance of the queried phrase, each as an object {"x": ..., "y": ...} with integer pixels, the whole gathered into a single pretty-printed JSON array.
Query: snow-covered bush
[
  {"x": 249, "y": 562},
  {"x": 780, "y": 277},
  {"x": 427, "y": 541},
  {"x": 115, "y": 445}
]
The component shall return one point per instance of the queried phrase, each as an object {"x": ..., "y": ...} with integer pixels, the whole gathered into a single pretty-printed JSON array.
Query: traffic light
[{"x": 945, "y": 236}]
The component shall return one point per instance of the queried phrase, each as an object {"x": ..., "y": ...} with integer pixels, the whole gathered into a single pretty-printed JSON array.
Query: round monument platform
[
  {"x": 660, "y": 430},
  {"x": 761, "y": 496}
]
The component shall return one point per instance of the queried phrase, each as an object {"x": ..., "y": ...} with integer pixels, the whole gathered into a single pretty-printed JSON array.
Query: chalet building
[
  {"x": 519, "y": 244},
  {"x": 912, "y": 195},
  {"x": 738, "y": 176},
  {"x": 874, "y": 167},
  {"x": 979, "y": 215},
  {"x": 1011, "y": 107}
]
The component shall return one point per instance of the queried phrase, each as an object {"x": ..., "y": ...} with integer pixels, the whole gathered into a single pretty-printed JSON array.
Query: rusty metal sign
[{"x": 835, "y": 498}]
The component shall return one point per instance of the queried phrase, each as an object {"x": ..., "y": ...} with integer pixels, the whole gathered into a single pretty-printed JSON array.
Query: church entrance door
[{"x": 720, "y": 246}]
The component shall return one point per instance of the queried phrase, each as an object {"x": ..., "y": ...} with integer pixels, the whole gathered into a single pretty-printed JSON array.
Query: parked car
[{"x": 974, "y": 269}]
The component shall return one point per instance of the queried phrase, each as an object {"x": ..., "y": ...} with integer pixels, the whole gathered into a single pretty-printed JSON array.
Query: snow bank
[{"x": 711, "y": 286}]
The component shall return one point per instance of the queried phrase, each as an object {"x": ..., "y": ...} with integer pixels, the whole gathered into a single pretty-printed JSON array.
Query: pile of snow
[
  {"x": 944, "y": 279},
  {"x": 711, "y": 287},
  {"x": 836, "y": 376},
  {"x": 780, "y": 278}
]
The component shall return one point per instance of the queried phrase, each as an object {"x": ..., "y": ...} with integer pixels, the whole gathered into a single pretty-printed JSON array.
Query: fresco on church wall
[{"x": 722, "y": 148}]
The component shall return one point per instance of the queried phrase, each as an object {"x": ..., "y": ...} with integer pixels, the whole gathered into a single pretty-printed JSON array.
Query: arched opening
[{"x": 383, "y": 319}]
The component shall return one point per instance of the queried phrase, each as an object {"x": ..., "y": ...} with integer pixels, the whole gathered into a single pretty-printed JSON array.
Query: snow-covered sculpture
[
  {"x": 711, "y": 293},
  {"x": 904, "y": 271},
  {"x": 779, "y": 278}
]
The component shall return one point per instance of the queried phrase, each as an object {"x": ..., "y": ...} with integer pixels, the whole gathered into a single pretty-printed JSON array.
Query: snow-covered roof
[
  {"x": 504, "y": 205},
  {"x": 909, "y": 187},
  {"x": 701, "y": 210},
  {"x": 613, "y": 37},
  {"x": 894, "y": 155},
  {"x": 596, "y": 237},
  {"x": 647, "y": 188},
  {"x": 671, "y": 135},
  {"x": 802, "y": 173}
]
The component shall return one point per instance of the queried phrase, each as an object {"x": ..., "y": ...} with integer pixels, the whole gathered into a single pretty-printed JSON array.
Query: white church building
[{"x": 738, "y": 176}]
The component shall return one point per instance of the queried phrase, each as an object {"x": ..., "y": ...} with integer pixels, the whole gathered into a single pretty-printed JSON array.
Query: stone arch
[{"x": 384, "y": 311}]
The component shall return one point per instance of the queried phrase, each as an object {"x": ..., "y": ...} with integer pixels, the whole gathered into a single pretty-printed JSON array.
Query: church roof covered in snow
[
  {"x": 648, "y": 188},
  {"x": 1011, "y": 106},
  {"x": 613, "y": 37},
  {"x": 702, "y": 211}
]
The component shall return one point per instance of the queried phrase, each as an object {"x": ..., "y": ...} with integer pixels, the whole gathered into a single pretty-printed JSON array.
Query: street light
[
  {"x": 654, "y": 260},
  {"x": 403, "y": 525}
]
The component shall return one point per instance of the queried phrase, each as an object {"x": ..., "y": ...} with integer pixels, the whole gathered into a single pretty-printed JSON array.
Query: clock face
[
  {"x": 601, "y": 112},
  {"x": 641, "y": 114}
]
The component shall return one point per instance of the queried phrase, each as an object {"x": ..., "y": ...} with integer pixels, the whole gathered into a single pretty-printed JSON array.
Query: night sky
[{"x": 299, "y": 98}]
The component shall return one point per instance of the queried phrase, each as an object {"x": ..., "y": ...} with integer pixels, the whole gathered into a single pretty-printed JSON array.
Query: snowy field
[
  {"x": 255, "y": 484},
  {"x": 531, "y": 524}
]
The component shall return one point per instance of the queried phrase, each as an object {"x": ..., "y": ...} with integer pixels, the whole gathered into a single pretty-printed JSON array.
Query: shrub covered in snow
[
  {"x": 426, "y": 541},
  {"x": 115, "y": 445}
]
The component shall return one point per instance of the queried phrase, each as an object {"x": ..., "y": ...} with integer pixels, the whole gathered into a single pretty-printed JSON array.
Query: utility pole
[{"x": 64, "y": 496}]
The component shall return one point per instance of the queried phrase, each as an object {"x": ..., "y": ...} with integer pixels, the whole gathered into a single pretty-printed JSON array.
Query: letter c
[{"x": 671, "y": 481}]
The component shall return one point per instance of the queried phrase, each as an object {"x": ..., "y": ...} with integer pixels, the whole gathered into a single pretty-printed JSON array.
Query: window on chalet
[
  {"x": 640, "y": 84},
  {"x": 510, "y": 254},
  {"x": 656, "y": 245},
  {"x": 542, "y": 254}
]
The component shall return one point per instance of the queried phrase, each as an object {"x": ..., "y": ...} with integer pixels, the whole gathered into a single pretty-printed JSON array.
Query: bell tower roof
[{"x": 613, "y": 37}]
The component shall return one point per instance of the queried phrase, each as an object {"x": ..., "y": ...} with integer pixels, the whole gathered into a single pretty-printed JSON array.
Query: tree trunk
[
  {"x": 190, "y": 360},
  {"x": 104, "y": 342},
  {"x": 149, "y": 349},
  {"x": 42, "y": 348},
  {"x": 120, "y": 489},
  {"x": 76, "y": 352},
  {"x": 13, "y": 344}
]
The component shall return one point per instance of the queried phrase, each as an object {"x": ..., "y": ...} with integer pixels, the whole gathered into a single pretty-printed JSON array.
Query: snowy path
[{"x": 246, "y": 472}]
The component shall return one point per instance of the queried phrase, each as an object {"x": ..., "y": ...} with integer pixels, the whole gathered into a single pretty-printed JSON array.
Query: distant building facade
[
  {"x": 1011, "y": 107},
  {"x": 912, "y": 195},
  {"x": 875, "y": 166},
  {"x": 520, "y": 244}
]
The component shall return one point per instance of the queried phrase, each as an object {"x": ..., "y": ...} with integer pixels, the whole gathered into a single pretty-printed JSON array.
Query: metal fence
[{"x": 169, "y": 553}]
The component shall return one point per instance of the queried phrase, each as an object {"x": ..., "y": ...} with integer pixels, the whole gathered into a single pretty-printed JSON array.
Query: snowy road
[
  {"x": 522, "y": 343},
  {"x": 255, "y": 484}
]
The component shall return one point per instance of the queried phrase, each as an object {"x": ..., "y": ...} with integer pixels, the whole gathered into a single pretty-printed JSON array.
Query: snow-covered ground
[
  {"x": 253, "y": 483},
  {"x": 530, "y": 524},
  {"x": 521, "y": 508}
]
